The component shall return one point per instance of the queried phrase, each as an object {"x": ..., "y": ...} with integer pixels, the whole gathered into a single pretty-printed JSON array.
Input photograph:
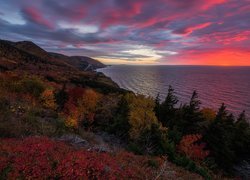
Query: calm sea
[{"x": 214, "y": 84}]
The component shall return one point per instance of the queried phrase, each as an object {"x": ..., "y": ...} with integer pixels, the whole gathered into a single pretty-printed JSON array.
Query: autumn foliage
[
  {"x": 191, "y": 148},
  {"x": 42, "y": 158},
  {"x": 48, "y": 99},
  {"x": 80, "y": 107}
]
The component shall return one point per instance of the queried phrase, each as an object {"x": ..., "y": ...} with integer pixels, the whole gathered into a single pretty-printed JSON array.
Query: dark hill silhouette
[
  {"x": 13, "y": 54},
  {"x": 31, "y": 48},
  {"x": 80, "y": 62},
  {"x": 27, "y": 58}
]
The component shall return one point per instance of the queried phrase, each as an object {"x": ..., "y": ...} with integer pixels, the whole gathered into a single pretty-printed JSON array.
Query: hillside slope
[
  {"x": 19, "y": 53},
  {"x": 19, "y": 57}
]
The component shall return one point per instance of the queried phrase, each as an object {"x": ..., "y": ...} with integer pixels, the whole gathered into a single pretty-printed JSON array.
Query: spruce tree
[
  {"x": 61, "y": 97},
  {"x": 242, "y": 137},
  {"x": 120, "y": 125},
  {"x": 192, "y": 118},
  {"x": 222, "y": 113},
  {"x": 194, "y": 104},
  {"x": 157, "y": 106},
  {"x": 219, "y": 138},
  {"x": 167, "y": 110}
]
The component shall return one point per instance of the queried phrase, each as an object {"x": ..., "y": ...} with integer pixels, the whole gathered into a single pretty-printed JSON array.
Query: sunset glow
[{"x": 171, "y": 32}]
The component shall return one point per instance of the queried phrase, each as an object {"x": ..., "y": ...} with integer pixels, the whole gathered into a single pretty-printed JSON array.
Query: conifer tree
[
  {"x": 120, "y": 125},
  {"x": 242, "y": 137},
  {"x": 157, "y": 106},
  {"x": 167, "y": 110},
  {"x": 192, "y": 118},
  {"x": 61, "y": 97},
  {"x": 194, "y": 102},
  {"x": 222, "y": 113},
  {"x": 219, "y": 138}
]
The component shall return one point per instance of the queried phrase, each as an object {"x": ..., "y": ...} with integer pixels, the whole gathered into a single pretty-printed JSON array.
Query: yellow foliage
[
  {"x": 141, "y": 114},
  {"x": 83, "y": 109},
  {"x": 208, "y": 114},
  {"x": 72, "y": 120},
  {"x": 88, "y": 101},
  {"x": 48, "y": 99},
  {"x": 87, "y": 105}
]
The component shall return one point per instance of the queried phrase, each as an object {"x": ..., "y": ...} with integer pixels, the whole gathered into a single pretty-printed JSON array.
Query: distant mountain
[
  {"x": 81, "y": 62},
  {"x": 26, "y": 53}
]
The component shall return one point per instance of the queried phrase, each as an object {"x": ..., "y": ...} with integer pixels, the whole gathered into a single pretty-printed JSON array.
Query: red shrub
[
  {"x": 75, "y": 93},
  {"x": 189, "y": 146},
  {"x": 42, "y": 158}
]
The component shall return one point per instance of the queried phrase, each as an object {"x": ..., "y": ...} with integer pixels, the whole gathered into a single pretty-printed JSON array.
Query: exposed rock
[
  {"x": 243, "y": 170},
  {"x": 74, "y": 140}
]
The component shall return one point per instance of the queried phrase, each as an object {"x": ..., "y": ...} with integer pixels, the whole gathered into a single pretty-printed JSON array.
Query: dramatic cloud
[{"x": 214, "y": 32}]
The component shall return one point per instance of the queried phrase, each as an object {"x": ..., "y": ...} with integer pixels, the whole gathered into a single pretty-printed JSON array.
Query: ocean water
[{"x": 214, "y": 84}]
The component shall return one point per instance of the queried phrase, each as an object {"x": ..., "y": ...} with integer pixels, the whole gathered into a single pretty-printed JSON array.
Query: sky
[{"x": 144, "y": 32}]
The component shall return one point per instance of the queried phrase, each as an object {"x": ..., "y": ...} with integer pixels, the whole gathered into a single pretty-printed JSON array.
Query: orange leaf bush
[
  {"x": 48, "y": 99},
  {"x": 189, "y": 146},
  {"x": 80, "y": 107}
]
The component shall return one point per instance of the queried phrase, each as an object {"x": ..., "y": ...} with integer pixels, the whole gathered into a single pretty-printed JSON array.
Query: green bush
[
  {"x": 153, "y": 163},
  {"x": 4, "y": 105},
  {"x": 33, "y": 86},
  {"x": 190, "y": 165},
  {"x": 171, "y": 151},
  {"x": 133, "y": 147}
]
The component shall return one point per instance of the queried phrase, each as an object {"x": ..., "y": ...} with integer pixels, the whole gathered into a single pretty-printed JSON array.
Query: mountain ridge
[{"x": 21, "y": 52}]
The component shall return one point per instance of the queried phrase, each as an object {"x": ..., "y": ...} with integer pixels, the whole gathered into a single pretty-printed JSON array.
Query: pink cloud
[
  {"x": 197, "y": 27},
  {"x": 226, "y": 38},
  {"x": 35, "y": 15},
  {"x": 208, "y": 4},
  {"x": 189, "y": 30}
]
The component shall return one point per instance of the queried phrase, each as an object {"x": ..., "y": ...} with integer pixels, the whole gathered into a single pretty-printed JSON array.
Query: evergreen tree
[
  {"x": 61, "y": 97},
  {"x": 194, "y": 104},
  {"x": 222, "y": 113},
  {"x": 242, "y": 118},
  {"x": 242, "y": 137},
  {"x": 121, "y": 125},
  {"x": 167, "y": 110},
  {"x": 157, "y": 106},
  {"x": 219, "y": 138},
  {"x": 192, "y": 118}
]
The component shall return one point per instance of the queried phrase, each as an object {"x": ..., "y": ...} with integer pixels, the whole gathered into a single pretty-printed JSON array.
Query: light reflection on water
[{"x": 214, "y": 84}]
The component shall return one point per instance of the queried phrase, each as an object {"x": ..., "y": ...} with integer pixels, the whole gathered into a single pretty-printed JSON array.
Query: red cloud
[
  {"x": 197, "y": 27},
  {"x": 36, "y": 16},
  {"x": 189, "y": 30},
  {"x": 120, "y": 15},
  {"x": 226, "y": 38},
  {"x": 220, "y": 57},
  {"x": 208, "y": 4}
]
